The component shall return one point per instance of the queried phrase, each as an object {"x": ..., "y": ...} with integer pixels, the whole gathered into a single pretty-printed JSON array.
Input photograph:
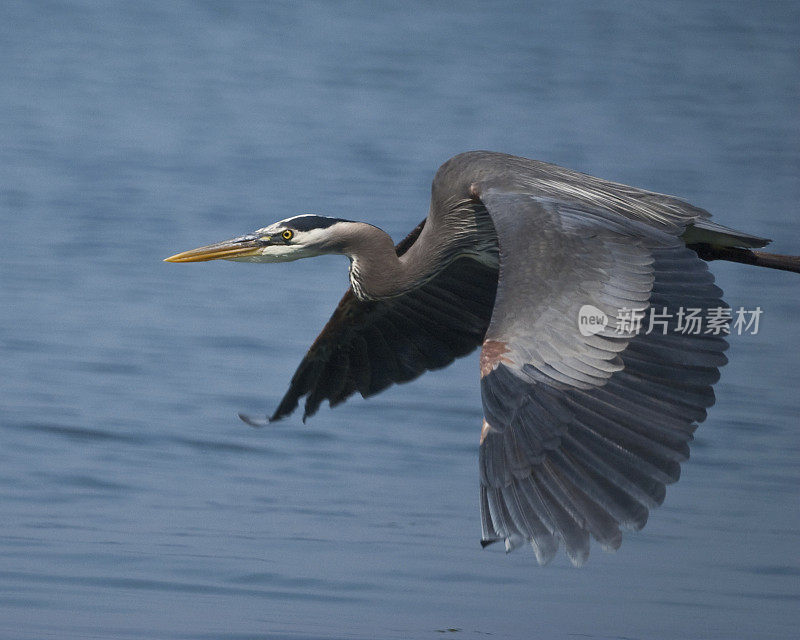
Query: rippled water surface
[{"x": 135, "y": 505}]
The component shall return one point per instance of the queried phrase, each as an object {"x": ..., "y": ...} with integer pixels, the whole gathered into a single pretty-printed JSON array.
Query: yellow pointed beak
[{"x": 236, "y": 248}]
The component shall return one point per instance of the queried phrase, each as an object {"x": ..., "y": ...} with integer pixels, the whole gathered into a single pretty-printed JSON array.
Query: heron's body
[{"x": 582, "y": 430}]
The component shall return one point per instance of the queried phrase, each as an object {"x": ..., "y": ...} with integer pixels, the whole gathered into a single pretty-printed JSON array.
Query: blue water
[{"x": 135, "y": 505}]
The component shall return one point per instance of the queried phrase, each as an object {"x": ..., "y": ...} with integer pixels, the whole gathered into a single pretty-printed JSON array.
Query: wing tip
[
  {"x": 286, "y": 407},
  {"x": 279, "y": 414}
]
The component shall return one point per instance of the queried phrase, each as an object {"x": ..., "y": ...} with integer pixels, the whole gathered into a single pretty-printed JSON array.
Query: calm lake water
[{"x": 135, "y": 505}]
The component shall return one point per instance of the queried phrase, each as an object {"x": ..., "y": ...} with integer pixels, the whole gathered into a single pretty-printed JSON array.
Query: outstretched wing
[
  {"x": 583, "y": 430},
  {"x": 367, "y": 346}
]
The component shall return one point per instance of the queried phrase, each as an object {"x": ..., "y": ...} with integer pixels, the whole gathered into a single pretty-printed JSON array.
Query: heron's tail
[
  {"x": 712, "y": 241},
  {"x": 747, "y": 256}
]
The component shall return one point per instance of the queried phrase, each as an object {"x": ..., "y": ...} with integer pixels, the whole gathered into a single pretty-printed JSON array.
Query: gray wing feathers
[
  {"x": 554, "y": 260},
  {"x": 570, "y": 448},
  {"x": 516, "y": 175}
]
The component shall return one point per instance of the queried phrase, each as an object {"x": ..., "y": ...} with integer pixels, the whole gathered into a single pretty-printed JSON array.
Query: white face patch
[{"x": 303, "y": 244}]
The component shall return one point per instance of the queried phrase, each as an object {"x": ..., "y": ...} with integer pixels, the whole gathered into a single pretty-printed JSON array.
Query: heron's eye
[{"x": 287, "y": 235}]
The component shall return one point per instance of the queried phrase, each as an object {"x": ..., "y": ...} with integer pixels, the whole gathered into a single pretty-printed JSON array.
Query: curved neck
[{"x": 376, "y": 271}]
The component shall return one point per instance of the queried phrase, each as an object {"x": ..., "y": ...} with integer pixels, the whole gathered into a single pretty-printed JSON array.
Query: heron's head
[{"x": 291, "y": 239}]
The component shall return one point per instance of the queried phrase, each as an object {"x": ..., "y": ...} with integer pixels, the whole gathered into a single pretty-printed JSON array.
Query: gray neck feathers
[{"x": 376, "y": 272}]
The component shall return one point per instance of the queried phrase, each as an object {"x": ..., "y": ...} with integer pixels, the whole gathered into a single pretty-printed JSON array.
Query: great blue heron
[{"x": 583, "y": 425}]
